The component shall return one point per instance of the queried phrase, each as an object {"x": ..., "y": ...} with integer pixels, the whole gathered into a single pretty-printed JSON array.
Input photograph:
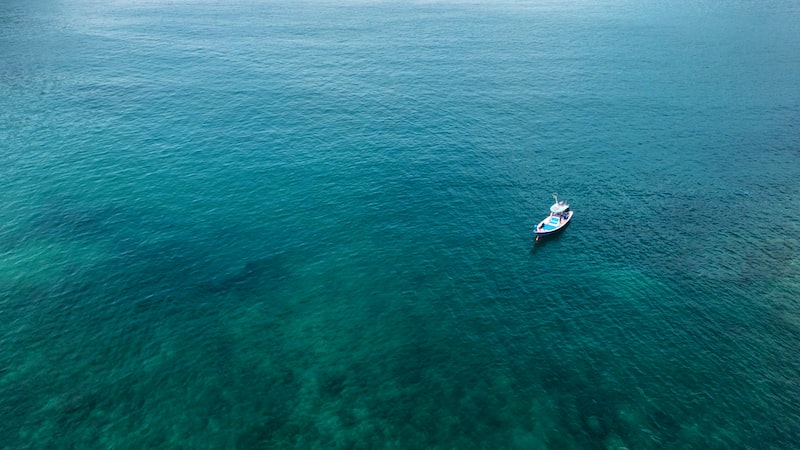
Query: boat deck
[{"x": 553, "y": 223}]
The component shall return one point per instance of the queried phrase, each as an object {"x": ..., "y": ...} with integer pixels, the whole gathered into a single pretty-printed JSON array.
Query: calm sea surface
[{"x": 307, "y": 224}]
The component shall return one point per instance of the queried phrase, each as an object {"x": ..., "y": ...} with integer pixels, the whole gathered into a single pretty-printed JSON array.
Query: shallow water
[{"x": 308, "y": 224}]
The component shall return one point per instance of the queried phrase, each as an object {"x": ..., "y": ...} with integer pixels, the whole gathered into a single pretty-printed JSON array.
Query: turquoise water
[{"x": 308, "y": 224}]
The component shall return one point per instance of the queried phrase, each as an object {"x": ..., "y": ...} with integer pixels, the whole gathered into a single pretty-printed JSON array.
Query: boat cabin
[{"x": 560, "y": 208}]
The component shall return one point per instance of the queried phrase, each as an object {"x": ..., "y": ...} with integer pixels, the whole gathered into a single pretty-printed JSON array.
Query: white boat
[{"x": 560, "y": 216}]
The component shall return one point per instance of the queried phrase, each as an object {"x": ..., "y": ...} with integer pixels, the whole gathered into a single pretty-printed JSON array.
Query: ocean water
[{"x": 307, "y": 224}]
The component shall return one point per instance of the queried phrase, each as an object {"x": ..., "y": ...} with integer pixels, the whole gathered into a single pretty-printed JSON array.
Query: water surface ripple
[{"x": 308, "y": 224}]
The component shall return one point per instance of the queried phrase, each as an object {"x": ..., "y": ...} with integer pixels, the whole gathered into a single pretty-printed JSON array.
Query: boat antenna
[{"x": 555, "y": 196}]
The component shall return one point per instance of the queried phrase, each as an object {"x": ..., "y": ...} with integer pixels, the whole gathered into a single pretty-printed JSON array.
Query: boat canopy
[{"x": 559, "y": 207}]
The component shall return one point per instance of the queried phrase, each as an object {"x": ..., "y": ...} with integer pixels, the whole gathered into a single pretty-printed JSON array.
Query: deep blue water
[{"x": 307, "y": 224}]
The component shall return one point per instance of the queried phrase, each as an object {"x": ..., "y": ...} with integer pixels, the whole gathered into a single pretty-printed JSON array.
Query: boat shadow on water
[{"x": 540, "y": 242}]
